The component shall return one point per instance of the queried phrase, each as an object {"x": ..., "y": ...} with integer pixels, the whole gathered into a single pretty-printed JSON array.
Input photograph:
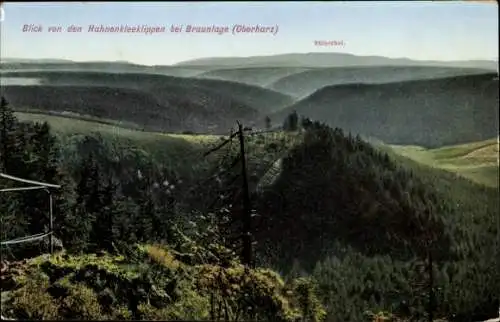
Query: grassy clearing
[
  {"x": 466, "y": 150},
  {"x": 178, "y": 150},
  {"x": 69, "y": 125},
  {"x": 477, "y": 161}
]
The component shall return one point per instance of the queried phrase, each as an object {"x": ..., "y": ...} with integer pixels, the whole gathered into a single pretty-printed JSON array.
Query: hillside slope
[
  {"x": 181, "y": 151},
  {"x": 263, "y": 76},
  {"x": 430, "y": 113},
  {"x": 477, "y": 161},
  {"x": 154, "y": 102},
  {"x": 307, "y": 82},
  {"x": 349, "y": 212},
  {"x": 256, "y": 97},
  {"x": 176, "y": 112}
]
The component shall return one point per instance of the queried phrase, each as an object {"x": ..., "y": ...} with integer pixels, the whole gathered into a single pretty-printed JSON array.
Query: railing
[
  {"x": 26, "y": 239},
  {"x": 36, "y": 186}
]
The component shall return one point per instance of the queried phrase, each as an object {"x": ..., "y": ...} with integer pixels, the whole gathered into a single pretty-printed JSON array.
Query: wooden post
[
  {"x": 247, "y": 219},
  {"x": 431, "y": 283},
  {"x": 51, "y": 227}
]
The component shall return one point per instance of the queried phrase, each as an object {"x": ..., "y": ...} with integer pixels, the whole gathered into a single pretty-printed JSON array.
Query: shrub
[{"x": 32, "y": 302}]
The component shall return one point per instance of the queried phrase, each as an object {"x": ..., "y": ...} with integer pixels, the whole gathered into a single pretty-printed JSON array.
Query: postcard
[{"x": 235, "y": 161}]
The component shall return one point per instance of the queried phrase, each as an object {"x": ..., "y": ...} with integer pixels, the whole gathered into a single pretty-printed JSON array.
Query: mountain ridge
[
  {"x": 310, "y": 60},
  {"x": 314, "y": 59}
]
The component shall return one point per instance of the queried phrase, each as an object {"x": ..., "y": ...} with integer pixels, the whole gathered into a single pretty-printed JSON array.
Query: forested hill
[
  {"x": 161, "y": 86},
  {"x": 429, "y": 113},
  {"x": 341, "y": 206},
  {"x": 360, "y": 223},
  {"x": 166, "y": 103},
  {"x": 306, "y": 82}
]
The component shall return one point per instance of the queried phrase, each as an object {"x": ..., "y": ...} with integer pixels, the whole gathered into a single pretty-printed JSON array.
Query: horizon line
[{"x": 250, "y": 56}]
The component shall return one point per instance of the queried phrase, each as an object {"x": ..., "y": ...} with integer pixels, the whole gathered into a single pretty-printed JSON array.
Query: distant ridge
[
  {"x": 311, "y": 60},
  {"x": 31, "y": 61},
  {"x": 320, "y": 60}
]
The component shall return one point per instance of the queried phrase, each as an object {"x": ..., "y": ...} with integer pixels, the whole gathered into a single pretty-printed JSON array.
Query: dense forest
[{"x": 352, "y": 229}]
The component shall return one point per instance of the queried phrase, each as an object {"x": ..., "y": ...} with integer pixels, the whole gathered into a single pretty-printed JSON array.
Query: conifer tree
[
  {"x": 8, "y": 124},
  {"x": 291, "y": 122},
  {"x": 268, "y": 123}
]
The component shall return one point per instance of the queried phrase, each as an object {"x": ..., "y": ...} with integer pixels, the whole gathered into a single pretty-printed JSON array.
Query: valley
[{"x": 368, "y": 186}]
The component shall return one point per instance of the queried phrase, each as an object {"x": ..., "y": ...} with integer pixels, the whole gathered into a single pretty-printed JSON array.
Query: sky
[{"x": 422, "y": 30}]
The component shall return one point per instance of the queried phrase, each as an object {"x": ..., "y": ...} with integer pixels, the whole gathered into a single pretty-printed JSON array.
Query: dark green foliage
[
  {"x": 29, "y": 151},
  {"x": 8, "y": 125},
  {"x": 268, "y": 122},
  {"x": 354, "y": 193},
  {"x": 341, "y": 208},
  {"x": 305, "y": 122},
  {"x": 149, "y": 282},
  {"x": 104, "y": 198},
  {"x": 351, "y": 283},
  {"x": 291, "y": 122}
]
